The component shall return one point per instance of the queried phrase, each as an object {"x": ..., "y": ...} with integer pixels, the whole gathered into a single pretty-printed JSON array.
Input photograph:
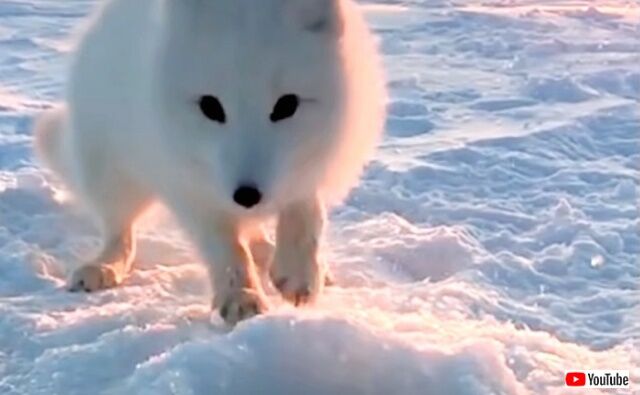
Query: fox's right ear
[{"x": 316, "y": 16}]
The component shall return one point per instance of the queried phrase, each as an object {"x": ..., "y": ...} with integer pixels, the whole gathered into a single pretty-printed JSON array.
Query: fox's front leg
[
  {"x": 297, "y": 270},
  {"x": 237, "y": 291}
]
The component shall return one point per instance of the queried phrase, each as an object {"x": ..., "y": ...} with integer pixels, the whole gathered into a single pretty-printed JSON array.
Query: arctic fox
[{"x": 229, "y": 112}]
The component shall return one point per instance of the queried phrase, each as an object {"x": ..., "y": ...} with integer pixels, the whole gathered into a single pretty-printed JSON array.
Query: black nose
[{"x": 247, "y": 196}]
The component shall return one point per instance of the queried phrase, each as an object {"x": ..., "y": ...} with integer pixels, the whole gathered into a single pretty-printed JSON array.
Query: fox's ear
[{"x": 317, "y": 16}]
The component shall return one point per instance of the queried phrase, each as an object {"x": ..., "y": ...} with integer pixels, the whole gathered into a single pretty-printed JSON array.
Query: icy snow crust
[{"x": 493, "y": 243}]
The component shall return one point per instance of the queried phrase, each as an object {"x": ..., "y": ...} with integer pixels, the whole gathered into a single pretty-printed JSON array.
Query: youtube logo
[
  {"x": 575, "y": 379},
  {"x": 597, "y": 378}
]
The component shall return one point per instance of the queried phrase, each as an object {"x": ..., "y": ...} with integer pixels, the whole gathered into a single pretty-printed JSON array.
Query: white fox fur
[{"x": 132, "y": 131}]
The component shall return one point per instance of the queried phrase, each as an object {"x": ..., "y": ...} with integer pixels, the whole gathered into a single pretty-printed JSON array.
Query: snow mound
[{"x": 316, "y": 356}]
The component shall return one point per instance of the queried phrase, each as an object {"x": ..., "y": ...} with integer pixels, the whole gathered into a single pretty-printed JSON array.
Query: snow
[{"x": 493, "y": 244}]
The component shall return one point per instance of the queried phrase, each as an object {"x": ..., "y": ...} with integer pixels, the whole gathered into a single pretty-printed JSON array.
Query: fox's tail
[{"x": 48, "y": 136}]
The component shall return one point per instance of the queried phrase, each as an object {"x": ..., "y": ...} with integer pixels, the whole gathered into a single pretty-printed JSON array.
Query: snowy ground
[{"x": 493, "y": 244}]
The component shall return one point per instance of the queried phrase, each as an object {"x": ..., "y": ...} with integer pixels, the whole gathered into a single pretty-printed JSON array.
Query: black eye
[
  {"x": 285, "y": 108},
  {"x": 212, "y": 108}
]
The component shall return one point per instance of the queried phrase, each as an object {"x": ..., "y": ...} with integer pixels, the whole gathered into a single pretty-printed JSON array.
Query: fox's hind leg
[
  {"x": 261, "y": 247},
  {"x": 116, "y": 215},
  {"x": 86, "y": 164},
  {"x": 110, "y": 267},
  {"x": 116, "y": 202}
]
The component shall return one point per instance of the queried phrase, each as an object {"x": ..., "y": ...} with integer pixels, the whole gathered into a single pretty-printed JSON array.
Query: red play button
[{"x": 575, "y": 379}]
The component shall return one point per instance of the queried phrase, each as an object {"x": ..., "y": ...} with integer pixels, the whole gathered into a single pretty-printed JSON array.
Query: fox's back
[{"x": 110, "y": 68}]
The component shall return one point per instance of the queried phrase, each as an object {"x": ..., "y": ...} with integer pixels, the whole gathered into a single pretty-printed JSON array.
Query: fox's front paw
[
  {"x": 240, "y": 304},
  {"x": 92, "y": 278},
  {"x": 298, "y": 282}
]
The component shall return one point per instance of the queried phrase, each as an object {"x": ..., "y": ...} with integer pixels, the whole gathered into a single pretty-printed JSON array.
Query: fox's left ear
[{"x": 317, "y": 16}]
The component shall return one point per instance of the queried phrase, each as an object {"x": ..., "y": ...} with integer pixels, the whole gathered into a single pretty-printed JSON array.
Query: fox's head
[{"x": 251, "y": 95}]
